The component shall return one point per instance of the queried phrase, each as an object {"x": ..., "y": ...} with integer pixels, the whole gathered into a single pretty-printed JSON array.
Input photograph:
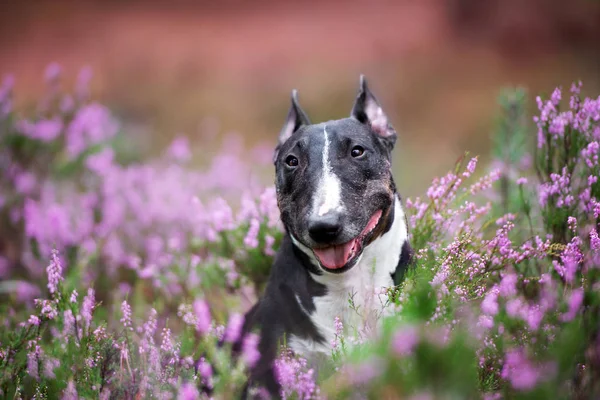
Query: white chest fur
[{"x": 356, "y": 296}]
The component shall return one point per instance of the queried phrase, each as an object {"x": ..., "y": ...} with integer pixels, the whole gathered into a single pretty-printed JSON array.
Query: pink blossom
[
  {"x": 188, "y": 391},
  {"x": 404, "y": 340},
  {"x": 250, "y": 353},
  {"x": 202, "y": 313},
  {"x": 234, "y": 327},
  {"x": 575, "y": 302},
  {"x": 54, "y": 271}
]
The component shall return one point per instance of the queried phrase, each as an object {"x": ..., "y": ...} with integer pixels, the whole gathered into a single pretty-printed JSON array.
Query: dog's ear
[
  {"x": 295, "y": 119},
  {"x": 368, "y": 111}
]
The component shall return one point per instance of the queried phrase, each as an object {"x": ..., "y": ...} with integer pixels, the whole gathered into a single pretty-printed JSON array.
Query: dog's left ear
[{"x": 368, "y": 111}]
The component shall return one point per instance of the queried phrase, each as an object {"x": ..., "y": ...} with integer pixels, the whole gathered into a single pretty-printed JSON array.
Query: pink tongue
[{"x": 335, "y": 257}]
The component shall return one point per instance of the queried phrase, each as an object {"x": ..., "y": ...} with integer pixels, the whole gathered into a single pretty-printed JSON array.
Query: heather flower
[
  {"x": 166, "y": 345},
  {"x": 70, "y": 392},
  {"x": 92, "y": 124},
  {"x": 87, "y": 309},
  {"x": 251, "y": 239},
  {"x": 50, "y": 364},
  {"x": 508, "y": 285},
  {"x": 339, "y": 330},
  {"x": 54, "y": 271},
  {"x": 594, "y": 241},
  {"x": 33, "y": 320},
  {"x": 572, "y": 223},
  {"x": 148, "y": 330},
  {"x": 33, "y": 359},
  {"x": 234, "y": 327},
  {"x": 205, "y": 371},
  {"x": 470, "y": 167},
  {"x": 489, "y": 305},
  {"x": 48, "y": 308},
  {"x": 269, "y": 242},
  {"x": 68, "y": 323},
  {"x": 364, "y": 372},
  {"x": 102, "y": 162},
  {"x": 404, "y": 340},
  {"x": 202, "y": 313},
  {"x": 188, "y": 391},
  {"x": 73, "y": 298},
  {"x": 575, "y": 302},
  {"x": 250, "y": 353},
  {"x": 522, "y": 181},
  {"x": 126, "y": 318},
  {"x": 179, "y": 150},
  {"x": 294, "y": 377}
]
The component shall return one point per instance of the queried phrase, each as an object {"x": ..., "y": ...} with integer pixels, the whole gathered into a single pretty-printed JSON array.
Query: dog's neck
[{"x": 361, "y": 285}]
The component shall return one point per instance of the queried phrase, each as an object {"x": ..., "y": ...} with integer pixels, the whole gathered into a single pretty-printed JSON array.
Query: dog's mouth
[{"x": 341, "y": 257}]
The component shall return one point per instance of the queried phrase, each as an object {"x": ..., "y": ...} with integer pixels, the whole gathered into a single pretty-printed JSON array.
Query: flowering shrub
[{"x": 120, "y": 278}]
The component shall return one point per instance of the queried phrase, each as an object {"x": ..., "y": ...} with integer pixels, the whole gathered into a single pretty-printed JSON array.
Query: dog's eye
[
  {"x": 357, "y": 151},
  {"x": 291, "y": 161}
]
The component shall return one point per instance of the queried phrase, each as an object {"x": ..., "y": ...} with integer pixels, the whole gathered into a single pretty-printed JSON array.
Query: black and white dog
[{"x": 346, "y": 232}]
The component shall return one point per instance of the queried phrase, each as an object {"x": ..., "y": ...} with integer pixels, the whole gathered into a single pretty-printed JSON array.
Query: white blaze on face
[{"x": 329, "y": 190}]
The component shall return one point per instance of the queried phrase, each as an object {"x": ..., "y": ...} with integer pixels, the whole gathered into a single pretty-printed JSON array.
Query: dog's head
[{"x": 334, "y": 183}]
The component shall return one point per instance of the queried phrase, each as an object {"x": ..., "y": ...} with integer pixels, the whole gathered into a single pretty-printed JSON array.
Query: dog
[{"x": 345, "y": 236}]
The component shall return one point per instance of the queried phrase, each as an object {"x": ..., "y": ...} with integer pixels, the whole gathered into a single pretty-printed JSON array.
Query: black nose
[{"x": 325, "y": 229}]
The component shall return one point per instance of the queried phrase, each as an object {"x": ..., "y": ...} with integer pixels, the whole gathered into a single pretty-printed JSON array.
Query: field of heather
[
  {"x": 119, "y": 276},
  {"x": 139, "y": 221}
]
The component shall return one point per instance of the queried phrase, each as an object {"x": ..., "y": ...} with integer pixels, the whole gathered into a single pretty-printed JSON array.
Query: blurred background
[{"x": 210, "y": 70}]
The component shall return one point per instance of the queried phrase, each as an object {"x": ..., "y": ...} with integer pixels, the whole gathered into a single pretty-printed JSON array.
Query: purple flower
[
  {"x": 508, "y": 285},
  {"x": 294, "y": 377},
  {"x": 470, "y": 167},
  {"x": 179, "y": 150},
  {"x": 33, "y": 320},
  {"x": 250, "y": 353},
  {"x": 522, "y": 181},
  {"x": 188, "y": 391},
  {"x": 166, "y": 345},
  {"x": 33, "y": 359},
  {"x": 205, "y": 369},
  {"x": 575, "y": 302},
  {"x": 594, "y": 241},
  {"x": 404, "y": 340},
  {"x": 489, "y": 305},
  {"x": 70, "y": 392},
  {"x": 87, "y": 309},
  {"x": 251, "y": 239},
  {"x": 54, "y": 271},
  {"x": 202, "y": 313},
  {"x": 269, "y": 242},
  {"x": 234, "y": 327},
  {"x": 101, "y": 162},
  {"x": 365, "y": 371},
  {"x": 50, "y": 365},
  {"x": 68, "y": 323},
  {"x": 92, "y": 124},
  {"x": 126, "y": 318}
]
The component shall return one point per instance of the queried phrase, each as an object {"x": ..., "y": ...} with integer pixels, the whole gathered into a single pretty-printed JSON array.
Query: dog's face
[{"x": 334, "y": 184}]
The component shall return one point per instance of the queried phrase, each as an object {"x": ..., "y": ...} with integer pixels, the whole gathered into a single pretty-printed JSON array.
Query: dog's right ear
[{"x": 295, "y": 119}]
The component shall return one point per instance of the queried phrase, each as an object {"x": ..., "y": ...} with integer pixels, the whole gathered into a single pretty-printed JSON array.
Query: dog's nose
[{"x": 325, "y": 229}]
